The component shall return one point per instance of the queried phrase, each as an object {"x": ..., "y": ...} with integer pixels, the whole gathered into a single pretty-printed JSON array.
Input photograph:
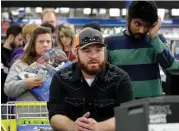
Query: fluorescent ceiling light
[
  {"x": 15, "y": 12},
  {"x": 87, "y": 11},
  {"x": 114, "y": 12},
  {"x": 102, "y": 11},
  {"x": 64, "y": 10},
  {"x": 21, "y": 9},
  {"x": 94, "y": 11},
  {"x": 57, "y": 10},
  {"x": 38, "y": 9},
  {"x": 175, "y": 12},
  {"x": 27, "y": 9},
  {"x": 161, "y": 13},
  {"x": 124, "y": 12}
]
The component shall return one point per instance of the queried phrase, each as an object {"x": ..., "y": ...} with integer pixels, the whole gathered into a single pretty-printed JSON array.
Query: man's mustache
[
  {"x": 139, "y": 34},
  {"x": 93, "y": 61}
]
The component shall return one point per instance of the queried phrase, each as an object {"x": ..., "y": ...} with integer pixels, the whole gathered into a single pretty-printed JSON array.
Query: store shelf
[{"x": 102, "y": 22}]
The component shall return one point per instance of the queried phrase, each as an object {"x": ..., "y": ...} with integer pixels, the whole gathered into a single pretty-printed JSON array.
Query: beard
[
  {"x": 91, "y": 70},
  {"x": 14, "y": 45},
  {"x": 135, "y": 36}
]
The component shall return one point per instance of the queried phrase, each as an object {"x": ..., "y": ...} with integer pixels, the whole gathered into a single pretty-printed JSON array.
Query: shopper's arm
[
  {"x": 13, "y": 86},
  {"x": 107, "y": 125},
  {"x": 164, "y": 57},
  {"x": 159, "y": 43},
  {"x": 81, "y": 124},
  {"x": 61, "y": 122}
]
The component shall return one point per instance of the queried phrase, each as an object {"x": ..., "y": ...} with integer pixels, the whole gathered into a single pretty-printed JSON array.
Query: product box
[
  {"x": 42, "y": 92},
  {"x": 149, "y": 114}
]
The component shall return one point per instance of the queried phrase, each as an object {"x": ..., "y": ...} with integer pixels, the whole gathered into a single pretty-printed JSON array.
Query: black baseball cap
[{"x": 90, "y": 36}]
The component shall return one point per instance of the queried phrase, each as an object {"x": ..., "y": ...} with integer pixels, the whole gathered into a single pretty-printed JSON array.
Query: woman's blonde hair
[
  {"x": 28, "y": 29},
  {"x": 68, "y": 31},
  {"x": 30, "y": 54}
]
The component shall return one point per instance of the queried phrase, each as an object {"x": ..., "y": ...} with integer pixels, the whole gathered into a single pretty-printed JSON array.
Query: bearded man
[
  {"x": 84, "y": 94},
  {"x": 140, "y": 49},
  {"x": 13, "y": 40}
]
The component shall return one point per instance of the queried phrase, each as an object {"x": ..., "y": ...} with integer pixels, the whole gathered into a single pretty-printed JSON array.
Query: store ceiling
[{"x": 82, "y": 4}]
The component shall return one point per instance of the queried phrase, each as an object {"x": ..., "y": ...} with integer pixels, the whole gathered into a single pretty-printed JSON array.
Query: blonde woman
[{"x": 66, "y": 40}]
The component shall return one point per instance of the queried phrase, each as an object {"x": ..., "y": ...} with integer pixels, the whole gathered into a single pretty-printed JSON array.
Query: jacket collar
[{"x": 77, "y": 76}]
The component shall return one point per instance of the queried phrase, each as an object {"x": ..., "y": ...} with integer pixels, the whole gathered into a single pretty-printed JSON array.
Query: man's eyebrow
[
  {"x": 85, "y": 48},
  {"x": 142, "y": 23}
]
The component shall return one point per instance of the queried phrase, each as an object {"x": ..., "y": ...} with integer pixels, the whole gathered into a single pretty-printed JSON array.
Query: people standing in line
[
  {"x": 40, "y": 43},
  {"x": 83, "y": 95},
  {"x": 49, "y": 16},
  {"x": 13, "y": 40},
  {"x": 140, "y": 49},
  {"x": 27, "y": 31},
  {"x": 66, "y": 40}
]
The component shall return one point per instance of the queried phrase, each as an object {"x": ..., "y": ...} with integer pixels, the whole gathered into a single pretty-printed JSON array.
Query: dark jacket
[
  {"x": 5, "y": 59},
  {"x": 70, "y": 95}
]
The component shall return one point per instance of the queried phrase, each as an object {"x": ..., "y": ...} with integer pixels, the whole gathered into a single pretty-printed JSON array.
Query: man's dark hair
[
  {"x": 49, "y": 26},
  {"x": 94, "y": 25},
  {"x": 13, "y": 30},
  {"x": 146, "y": 10}
]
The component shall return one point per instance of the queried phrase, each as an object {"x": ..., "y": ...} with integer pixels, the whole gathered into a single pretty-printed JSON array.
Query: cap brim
[{"x": 81, "y": 47}]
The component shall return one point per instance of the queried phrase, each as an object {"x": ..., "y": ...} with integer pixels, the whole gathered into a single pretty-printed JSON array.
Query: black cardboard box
[{"x": 138, "y": 115}]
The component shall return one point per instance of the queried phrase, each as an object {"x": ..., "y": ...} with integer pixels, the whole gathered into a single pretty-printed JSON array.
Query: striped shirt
[{"x": 141, "y": 60}]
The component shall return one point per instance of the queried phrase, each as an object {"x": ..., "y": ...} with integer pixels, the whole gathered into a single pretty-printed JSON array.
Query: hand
[
  {"x": 33, "y": 64},
  {"x": 155, "y": 28},
  {"x": 93, "y": 121},
  {"x": 60, "y": 57},
  {"x": 33, "y": 81},
  {"x": 41, "y": 60},
  {"x": 83, "y": 123},
  {"x": 93, "y": 124}
]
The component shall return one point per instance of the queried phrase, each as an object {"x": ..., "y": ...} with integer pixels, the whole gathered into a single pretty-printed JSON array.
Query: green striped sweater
[{"x": 141, "y": 60}]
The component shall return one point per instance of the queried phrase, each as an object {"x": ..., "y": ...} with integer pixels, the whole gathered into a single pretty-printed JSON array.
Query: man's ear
[{"x": 127, "y": 20}]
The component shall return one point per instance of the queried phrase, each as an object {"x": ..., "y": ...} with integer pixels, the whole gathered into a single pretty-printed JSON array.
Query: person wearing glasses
[{"x": 84, "y": 94}]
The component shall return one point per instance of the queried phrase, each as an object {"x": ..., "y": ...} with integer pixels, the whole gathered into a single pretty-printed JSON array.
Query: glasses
[{"x": 87, "y": 40}]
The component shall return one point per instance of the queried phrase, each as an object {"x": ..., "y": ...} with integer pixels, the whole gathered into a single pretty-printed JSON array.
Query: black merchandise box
[{"x": 138, "y": 115}]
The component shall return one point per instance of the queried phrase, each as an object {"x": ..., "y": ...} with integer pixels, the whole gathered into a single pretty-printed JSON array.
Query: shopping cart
[{"x": 25, "y": 116}]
